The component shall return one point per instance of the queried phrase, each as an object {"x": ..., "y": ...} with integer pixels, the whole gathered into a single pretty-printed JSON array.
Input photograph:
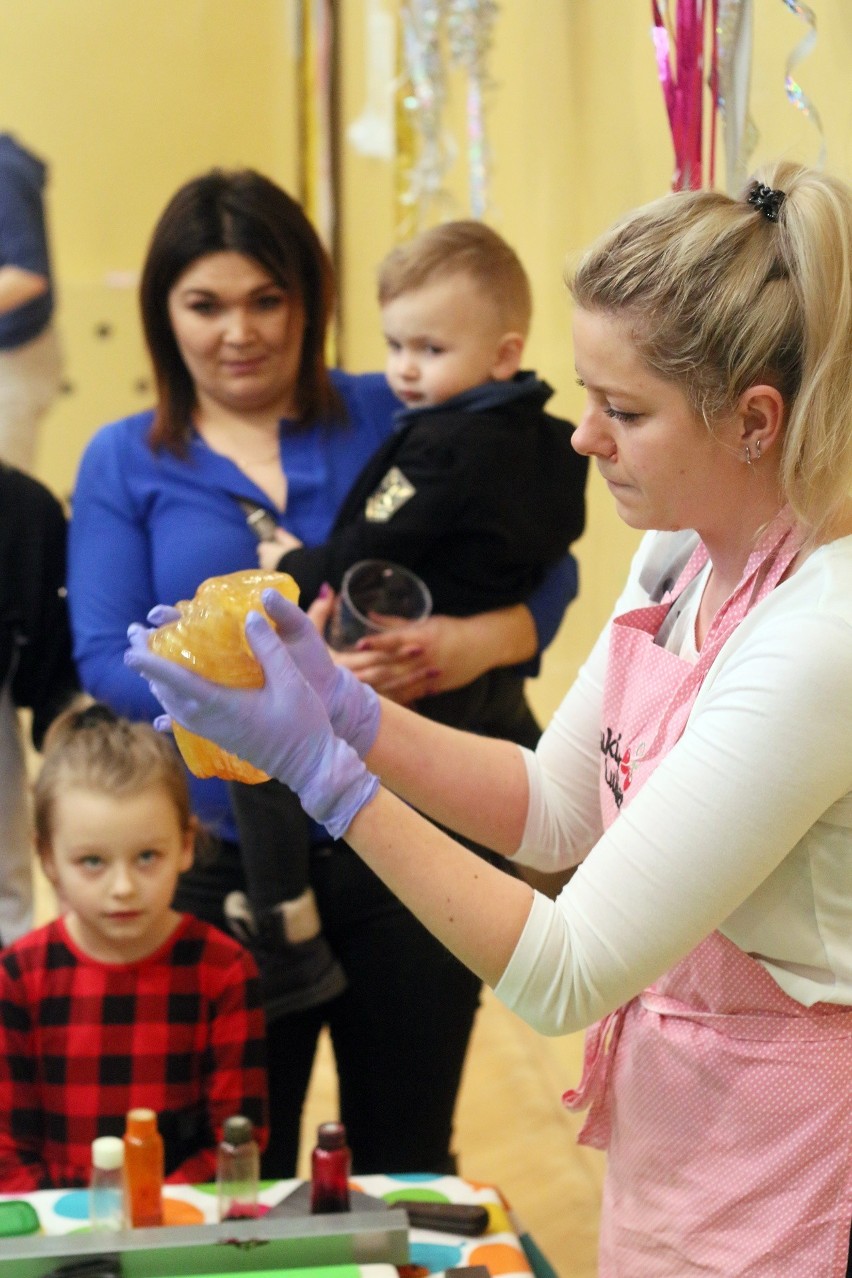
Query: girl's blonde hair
[
  {"x": 719, "y": 297},
  {"x": 94, "y": 749}
]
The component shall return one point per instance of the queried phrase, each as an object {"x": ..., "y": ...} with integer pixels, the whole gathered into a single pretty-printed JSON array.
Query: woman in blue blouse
[{"x": 236, "y": 295}]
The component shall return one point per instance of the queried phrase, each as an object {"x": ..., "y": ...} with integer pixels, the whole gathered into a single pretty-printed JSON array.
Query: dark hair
[{"x": 242, "y": 212}]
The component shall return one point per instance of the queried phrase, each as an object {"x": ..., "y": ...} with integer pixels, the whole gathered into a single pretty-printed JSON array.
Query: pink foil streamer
[{"x": 680, "y": 67}]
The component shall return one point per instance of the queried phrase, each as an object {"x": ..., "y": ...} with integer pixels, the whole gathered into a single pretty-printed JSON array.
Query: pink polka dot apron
[{"x": 724, "y": 1105}]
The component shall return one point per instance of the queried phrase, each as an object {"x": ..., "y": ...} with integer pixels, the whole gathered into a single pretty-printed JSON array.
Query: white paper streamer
[
  {"x": 372, "y": 133},
  {"x": 734, "y": 34}
]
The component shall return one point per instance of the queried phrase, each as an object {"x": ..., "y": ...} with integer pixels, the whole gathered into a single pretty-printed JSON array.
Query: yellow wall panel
[{"x": 128, "y": 98}]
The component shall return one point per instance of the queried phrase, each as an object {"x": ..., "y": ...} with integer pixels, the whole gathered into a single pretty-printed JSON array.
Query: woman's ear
[
  {"x": 762, "y": 413},
  {"x": 508, "y": 358}
]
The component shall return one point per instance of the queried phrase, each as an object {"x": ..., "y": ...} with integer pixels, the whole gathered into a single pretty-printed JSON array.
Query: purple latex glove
[
  {"x": 282, "y": 727},
  {"x": 352, "y": 706},
  {"x": 162, "y": 614}
]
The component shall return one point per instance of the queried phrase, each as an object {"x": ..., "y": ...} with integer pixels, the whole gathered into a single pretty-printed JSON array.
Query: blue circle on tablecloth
[
  {"x": 435, "y": 1256},
  {"x": 74, "y": 1205},
  {"x": 413, "y": 1177}
]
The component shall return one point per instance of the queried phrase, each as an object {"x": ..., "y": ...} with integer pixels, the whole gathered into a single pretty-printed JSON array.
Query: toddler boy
[{"x": 478, "y": 492}]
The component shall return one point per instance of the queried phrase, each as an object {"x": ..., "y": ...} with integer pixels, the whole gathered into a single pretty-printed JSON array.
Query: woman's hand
[
  {"x": 281, "y": 727},
  {"x": 352, "y": 708}
]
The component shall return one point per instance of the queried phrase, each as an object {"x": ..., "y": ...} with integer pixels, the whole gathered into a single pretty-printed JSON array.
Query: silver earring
[
  {"x": 748, "y": 455},
  {"x": 757, "y": 449}
]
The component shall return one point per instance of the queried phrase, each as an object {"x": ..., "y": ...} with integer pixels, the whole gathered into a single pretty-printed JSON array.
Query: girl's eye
[
  {"x": 148, "y": 857},
  {"x": 90, "y": 862}
]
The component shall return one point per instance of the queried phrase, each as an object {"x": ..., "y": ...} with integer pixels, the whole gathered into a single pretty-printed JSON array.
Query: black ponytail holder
[{"x": 765, "y": 200}]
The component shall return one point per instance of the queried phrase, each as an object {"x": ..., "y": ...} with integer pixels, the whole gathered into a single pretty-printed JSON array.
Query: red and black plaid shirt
[{"x": 82, "y": 1042}]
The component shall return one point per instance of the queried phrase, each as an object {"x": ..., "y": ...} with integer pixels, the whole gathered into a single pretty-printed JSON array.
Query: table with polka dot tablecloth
[{"x": 499, "y": 1249}]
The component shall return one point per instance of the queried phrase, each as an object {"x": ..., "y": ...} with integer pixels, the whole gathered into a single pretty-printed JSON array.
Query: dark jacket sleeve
[
  {"x": 480, "y": 505},
  {"x": 35, "y": 636}
]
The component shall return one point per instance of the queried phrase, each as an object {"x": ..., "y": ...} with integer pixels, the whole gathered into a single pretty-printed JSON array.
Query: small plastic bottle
[
  {"x": 238, "y": 1170},
  {"x": 107, "y": 1195},
  {"x": 143, "y": 1161},
  {"x": 331, "y": 1162}
]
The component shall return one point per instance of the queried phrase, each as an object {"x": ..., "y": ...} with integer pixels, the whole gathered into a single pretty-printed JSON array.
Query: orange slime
[{"x": 209, "y": 638}]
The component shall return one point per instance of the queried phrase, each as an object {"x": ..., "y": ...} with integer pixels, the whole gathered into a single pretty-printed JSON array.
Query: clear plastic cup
[{"x": 375, "y": 595}]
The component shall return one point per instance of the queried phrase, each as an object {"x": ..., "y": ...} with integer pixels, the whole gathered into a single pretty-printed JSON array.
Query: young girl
[{"x": 121, "y": 1001}]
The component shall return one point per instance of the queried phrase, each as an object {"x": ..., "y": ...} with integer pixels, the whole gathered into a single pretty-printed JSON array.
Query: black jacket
[
  {"x": 478, "y": 496},
  {"x": 478, "y": 501},
  {"x": 35, "y": 637}
]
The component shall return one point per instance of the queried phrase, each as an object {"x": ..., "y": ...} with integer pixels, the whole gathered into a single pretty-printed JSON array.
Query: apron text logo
[{"x": 612, "y": 759}]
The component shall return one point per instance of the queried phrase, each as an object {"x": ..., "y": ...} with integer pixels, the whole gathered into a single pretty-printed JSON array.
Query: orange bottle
[{"x": 144, "y": 1168}]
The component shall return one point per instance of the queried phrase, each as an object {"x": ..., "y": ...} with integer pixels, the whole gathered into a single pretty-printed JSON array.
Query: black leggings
[{"x": 400, "y": 1031}]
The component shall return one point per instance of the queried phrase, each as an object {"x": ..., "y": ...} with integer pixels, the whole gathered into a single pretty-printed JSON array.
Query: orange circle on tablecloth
[
  {"x": 176, "y": 1211},
  {"x": 499, "y": 1258}
]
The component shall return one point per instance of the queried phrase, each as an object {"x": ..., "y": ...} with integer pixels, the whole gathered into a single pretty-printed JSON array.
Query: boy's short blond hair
[{"x": 464, "y": 247}]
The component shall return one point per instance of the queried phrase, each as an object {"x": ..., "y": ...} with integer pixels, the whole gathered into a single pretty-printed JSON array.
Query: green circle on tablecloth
[{"x": 416, "y": 1193}]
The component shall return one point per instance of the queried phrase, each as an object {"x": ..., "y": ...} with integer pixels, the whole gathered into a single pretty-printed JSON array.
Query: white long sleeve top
[{"x": 746, "y": 825}]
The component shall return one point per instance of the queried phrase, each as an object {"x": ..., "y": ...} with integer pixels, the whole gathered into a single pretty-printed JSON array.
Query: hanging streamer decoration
[
  {"x": 426, "y": 150},
  {"x": 314, "y": 28},
  {"x": 793, "y": 89},
  {"x": 430, "y": 152},
  {"x": 679, "y": 52},
  {"x": 470, "y": 27},
  {"x": 734, "y": 30},
  {"x": 316, "y": 32},
  {"x": 679, "y": 49}
]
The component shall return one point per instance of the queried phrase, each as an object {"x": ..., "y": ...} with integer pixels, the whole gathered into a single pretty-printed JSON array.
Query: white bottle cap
[{"x": 108, "y": 1153}]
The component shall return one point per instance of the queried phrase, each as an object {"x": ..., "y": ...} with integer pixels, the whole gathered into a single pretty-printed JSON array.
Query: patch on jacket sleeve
[{"x": 392, "y": 493}]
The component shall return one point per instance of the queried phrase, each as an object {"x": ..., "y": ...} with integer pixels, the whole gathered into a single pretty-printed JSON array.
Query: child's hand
[{"x": 269, "y": 552}]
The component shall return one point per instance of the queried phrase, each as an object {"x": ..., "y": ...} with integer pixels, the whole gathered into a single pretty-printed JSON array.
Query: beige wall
[{"x": 127, "y": 98}]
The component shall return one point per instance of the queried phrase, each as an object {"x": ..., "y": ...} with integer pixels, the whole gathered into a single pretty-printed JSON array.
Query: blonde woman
[{"x": 700, "y": 768}]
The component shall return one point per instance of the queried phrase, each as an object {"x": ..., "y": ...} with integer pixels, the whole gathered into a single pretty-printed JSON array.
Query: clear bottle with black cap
[{"x": 238, "y": 1170}]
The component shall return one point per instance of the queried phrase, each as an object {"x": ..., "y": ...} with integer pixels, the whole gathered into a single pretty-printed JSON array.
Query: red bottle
[
  {"x": 143, "y": 1164},
  {"x": 331, "y": 1163}
]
